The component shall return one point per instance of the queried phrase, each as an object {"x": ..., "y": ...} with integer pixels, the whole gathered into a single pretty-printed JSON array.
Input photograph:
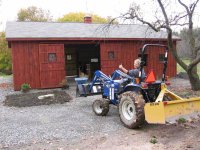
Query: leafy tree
[
  {"x": 167, "y": 19},
  {"x": 79, "y": 17},
  {"x": 33, "y": 14},
  {"x": 5, "y": 55}
]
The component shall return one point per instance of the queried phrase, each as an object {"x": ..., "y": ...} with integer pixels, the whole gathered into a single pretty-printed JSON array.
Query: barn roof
[{"x": 79, "y": 30}]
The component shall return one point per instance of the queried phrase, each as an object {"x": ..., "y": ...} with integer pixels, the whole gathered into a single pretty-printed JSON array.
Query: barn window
[
  {"x": 111, "y": 55},
  {"x": 69, "y": 57},
  {"x": 161, "y": 57},
  {"x": 145, "y": 58},
  {"x": 52, "y": 57}
]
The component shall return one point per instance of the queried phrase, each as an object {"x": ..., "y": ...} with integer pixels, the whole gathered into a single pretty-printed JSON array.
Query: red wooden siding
[
  {"x": 30, "y": 63},
  {"x": 109, "y": 65},
  {"x": 127, "y": 52},
  {"x": 28, "y": 66},
  {"x": 25, "y": 64},
  {"x": 51, "y": 73}
]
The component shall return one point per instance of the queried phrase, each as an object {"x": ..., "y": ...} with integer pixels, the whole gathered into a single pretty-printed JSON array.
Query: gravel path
[
  {"x": 69, "y": 121},
  {"x": 8, "y": 90}
]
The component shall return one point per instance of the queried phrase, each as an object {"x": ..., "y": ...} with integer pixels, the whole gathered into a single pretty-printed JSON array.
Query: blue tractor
[
  {"x": 119, "y": 89},
  {"x": 137, "y": 101},
  {"x": 122, "y": 90}
]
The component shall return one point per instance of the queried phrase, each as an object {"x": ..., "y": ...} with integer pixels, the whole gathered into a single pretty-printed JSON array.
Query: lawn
[{"x": 180, "y": 69}]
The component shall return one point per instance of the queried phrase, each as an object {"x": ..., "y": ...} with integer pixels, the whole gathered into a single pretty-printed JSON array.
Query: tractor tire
[
  {"x": 131, "y": 109},
  {"x": 100, "y": 107}
]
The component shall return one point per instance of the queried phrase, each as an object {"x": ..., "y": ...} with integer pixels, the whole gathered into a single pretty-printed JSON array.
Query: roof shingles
[{"x": 79, "y": 30}]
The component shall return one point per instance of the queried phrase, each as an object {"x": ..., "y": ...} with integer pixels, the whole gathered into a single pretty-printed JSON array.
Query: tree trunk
[{"x": 194, "y": 79}]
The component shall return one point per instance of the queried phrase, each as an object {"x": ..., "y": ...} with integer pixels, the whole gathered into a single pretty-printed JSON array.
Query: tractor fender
[{"x": 132, "y": 87}]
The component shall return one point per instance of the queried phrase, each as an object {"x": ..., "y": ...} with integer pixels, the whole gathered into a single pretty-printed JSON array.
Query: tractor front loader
[{"x": 149, "y": 99}]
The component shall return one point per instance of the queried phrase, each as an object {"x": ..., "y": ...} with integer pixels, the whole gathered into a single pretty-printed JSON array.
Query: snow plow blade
[{"x": 171, "y": 111}]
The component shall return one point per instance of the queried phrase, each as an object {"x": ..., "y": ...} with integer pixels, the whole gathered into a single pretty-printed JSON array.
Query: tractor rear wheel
[
  {"x": 101, "y": 107},
  {"x": 131, "y": 109}
]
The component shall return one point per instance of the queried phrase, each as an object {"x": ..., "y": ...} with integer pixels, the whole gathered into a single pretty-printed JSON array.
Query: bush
[
  {"x": 153, "y": 140},
  {"x": 25, "y": 87},
  {"x": 181, "y": 120},
  {"x": 5, "y": 55},
  {"x": 5, "y": 63}
]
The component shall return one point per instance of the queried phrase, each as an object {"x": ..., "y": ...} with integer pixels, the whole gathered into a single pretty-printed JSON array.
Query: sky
[{"x": 57, "y": 8}]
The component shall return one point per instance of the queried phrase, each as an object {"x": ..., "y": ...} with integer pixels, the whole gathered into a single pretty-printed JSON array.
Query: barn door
[{"x": 52, "y": 65}]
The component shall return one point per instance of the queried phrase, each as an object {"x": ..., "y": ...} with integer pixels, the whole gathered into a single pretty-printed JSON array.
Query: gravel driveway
[
  {"x": 73, "y": 125},
  {"x": 69, "y": 121}
]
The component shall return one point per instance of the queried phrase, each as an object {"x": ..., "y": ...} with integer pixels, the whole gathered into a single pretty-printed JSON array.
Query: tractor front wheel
[
  {"x": 131, "y": 109},
  {"x": 101, "y": 107}
]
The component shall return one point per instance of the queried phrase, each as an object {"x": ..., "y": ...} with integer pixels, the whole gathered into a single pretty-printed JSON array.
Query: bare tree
[{"x": 168, "y": 21}]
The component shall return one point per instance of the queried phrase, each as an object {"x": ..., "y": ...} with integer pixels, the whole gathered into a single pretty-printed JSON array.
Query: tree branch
[
  {"x": 170, "y": 40},
  {"x": 196, "y": 49},
  {"x": 177, "y": 18},
  {"x": 178, "y": 24},
  {"x": 135, "y": 16},
  {"x": 173, "y": 50},
  {"x": 194, "y": 63},
  {"x": 164, "y": 12},
  {"x": 194, "y": 6},
  {"x": 187, "y": 9}
]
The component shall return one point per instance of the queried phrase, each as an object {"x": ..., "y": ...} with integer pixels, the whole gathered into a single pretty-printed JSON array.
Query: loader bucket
[{"x": 171, "y": 111}]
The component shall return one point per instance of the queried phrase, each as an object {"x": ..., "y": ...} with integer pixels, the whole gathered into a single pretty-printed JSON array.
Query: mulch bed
[{"x": 31, "y": 99}]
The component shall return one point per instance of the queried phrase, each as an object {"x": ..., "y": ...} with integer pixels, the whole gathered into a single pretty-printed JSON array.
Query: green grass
[
  {"x": 180, "y": 69},
  {"x": 181, "y": 120}
]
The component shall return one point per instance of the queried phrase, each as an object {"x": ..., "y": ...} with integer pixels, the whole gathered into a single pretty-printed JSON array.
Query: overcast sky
[{"x": 57, "y": 8}]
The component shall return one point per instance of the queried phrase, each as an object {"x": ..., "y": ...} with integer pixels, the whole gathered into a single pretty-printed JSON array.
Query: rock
[{"x": 46, "y": 96}]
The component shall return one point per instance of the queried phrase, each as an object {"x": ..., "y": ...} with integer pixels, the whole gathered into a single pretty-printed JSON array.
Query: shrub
[
  {"x": 5, "y": 55},
  {"x": 181, "y": 120},
  {"x": 153, "y": 140},
  {"x": 25, "y": 87},
  {"x": 5, "y": 63}
]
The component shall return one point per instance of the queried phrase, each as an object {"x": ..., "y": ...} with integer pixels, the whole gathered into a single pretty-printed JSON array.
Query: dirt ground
[
  {"x": 31, "y": 99},
  {"x": 183, "y": 136},
  {"x": 149, "y": 137}
]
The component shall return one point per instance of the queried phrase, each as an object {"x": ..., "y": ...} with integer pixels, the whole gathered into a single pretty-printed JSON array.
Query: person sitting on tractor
[{"x": 134, "y": 72}]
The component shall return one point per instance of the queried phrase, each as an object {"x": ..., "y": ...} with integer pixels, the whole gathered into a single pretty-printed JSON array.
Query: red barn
[{"x": 43, "y": 53}]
